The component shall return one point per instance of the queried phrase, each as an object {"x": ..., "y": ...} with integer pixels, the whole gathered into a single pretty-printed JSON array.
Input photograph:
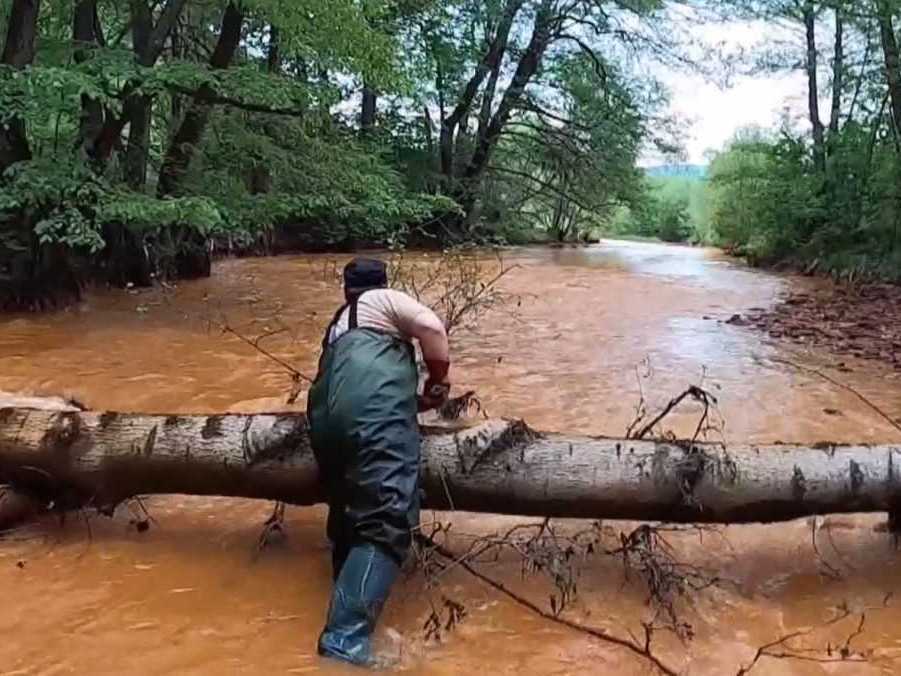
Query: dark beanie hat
[{"x": 362, "y": 274}]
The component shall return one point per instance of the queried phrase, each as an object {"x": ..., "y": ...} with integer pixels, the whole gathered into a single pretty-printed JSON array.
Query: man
[{"x": 362, "y": 411}]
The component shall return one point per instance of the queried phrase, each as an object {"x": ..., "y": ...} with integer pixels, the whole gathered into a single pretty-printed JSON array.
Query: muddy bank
[{"x": 852, "y": 322}]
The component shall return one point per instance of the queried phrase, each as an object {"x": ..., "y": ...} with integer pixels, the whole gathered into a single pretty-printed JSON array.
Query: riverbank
[{"x": 851, "y": 321}]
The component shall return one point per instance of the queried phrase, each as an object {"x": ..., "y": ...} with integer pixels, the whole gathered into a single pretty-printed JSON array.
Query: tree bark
[
  {"x": 85, "y": 25},
  {"x": 838, "y": 72},
  {"x": 529, "y": 62},
  {"x": 74, "y": 458},
  {"x": 18, "y": 52},
  {"x": 490, "y": 61},
  {"x": 892, "y": 60},
  {"x": 274, "y": 54},
  {"x": 368, "y": 109},
  {"x": 149, "y": 42},
  {"x": 181, "y": 149},
  {"x": 488, "y": 100},
  {"x": 137, "y": 109},
  {"x": 813, "y": 91}
]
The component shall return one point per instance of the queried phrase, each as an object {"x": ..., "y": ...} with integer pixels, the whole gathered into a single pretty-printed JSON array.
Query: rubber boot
[{"x": 360, "y": 592}]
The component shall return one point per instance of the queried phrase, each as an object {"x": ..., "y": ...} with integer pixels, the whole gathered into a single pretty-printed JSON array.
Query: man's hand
[
  {"x": 434, "y": 396},
  {"x": 437, "y": 387}
]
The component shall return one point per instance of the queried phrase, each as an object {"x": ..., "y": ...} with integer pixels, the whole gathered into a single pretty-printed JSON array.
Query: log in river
[{"x": 74, "y": 458}]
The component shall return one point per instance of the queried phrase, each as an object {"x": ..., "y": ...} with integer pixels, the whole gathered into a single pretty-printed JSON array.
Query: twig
[
  {"x": 642, "y": 651},
  {"x": 779, "y": 648},
  {"x": 831, "y": 571},
  {"x": 695, "y": 393},
  {"x": 641, "y": 409},
  {"x": 891, "y": 421},
  {"x": 254, "y": 344},
  {"x": 274, "y": 524}
]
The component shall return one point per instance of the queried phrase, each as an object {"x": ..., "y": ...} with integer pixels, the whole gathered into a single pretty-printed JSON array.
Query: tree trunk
[
  {"x": 838, "y": 72},
  {"x": 73, "y": 458},
  {"x": 813, "y": 92},
  {"x": 368, "y": 109},
  {"x": 85, "y": 25},
  {"x": 18, "y": 52},
  {"x": 274, "y": 54},
  {"x": 528, "y": 65},
  {"x": 259, "y": 180},
  {"x": 892, "y": 60},
  {"x": 21, "y": 285},
  {"x": 139, "y": 111},
  {"x": 149, "y": 42},
  {"x": 428, "y": 131},
  {"x": 181, "y": 149},
  {"x": 488, "y": 101},
  {"x": 490, "y": 61}
]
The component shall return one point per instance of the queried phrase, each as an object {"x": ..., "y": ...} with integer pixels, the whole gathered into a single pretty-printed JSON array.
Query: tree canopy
[{"x": 139, "y": 139}]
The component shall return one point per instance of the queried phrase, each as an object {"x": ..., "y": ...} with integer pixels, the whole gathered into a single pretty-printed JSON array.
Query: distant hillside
[{"x": 698, "y": 171}]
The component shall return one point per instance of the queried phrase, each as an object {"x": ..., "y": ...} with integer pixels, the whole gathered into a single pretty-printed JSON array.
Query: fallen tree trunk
[{"x": 76, "y": 458}]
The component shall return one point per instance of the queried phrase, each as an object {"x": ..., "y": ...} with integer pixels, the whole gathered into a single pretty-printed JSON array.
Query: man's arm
[
  {"x": 419, "y": 322},
  {"x": 429, "y": 330}
]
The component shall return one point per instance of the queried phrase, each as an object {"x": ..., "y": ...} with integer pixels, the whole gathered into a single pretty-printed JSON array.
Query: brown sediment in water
[{"x": 191, "y": 595}]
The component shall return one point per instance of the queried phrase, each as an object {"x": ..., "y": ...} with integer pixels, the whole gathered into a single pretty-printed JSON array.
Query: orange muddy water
[{"x": 192, "y": 596}]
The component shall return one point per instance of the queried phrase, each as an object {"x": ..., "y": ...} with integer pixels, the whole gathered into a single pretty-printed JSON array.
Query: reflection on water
[{"x": 189, "y": 596}]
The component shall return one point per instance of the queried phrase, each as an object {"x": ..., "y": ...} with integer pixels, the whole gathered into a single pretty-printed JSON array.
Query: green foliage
[
  {"x": 565, "y": 169},
  {"x": 330, "y": 185},
  {"x": 60, "y": 199},
  {"x": 656, "y": 215},
  {"x": 266, "y": 150},
  {"x": 692, "y": 191},
  {"x": 143, "y": 214},
  {"x": 69, "y": 204},
  {"x": 769, "y": 203}
]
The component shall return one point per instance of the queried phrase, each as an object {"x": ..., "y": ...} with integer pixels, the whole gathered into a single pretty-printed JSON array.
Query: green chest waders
[{"x": 364, "y": 432}]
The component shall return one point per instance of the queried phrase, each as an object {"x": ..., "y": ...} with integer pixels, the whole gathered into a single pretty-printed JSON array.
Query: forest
[
  {"x": 142, "y": 140},
  {"x": 820, "y": 191}
]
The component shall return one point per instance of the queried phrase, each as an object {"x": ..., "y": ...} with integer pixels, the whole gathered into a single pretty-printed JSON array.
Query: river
[{"x": 597, "y": 327}]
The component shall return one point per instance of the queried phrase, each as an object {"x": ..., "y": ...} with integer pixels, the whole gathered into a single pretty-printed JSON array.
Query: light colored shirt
[{"x": 385, "y": 310}]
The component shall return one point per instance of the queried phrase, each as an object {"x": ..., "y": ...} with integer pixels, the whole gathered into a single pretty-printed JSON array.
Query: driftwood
[{"x": 73, "y": 458}]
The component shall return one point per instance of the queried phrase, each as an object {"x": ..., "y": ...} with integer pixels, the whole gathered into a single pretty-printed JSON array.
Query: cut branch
[
  {"x": 15, "y": 508},
  {"x": 635, "y": 647}
]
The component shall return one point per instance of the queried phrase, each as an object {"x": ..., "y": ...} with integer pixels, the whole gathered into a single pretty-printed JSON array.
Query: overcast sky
[{"x": 716, "y": 113}]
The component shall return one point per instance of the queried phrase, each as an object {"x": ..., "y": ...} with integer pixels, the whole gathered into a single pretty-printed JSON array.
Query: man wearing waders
[{"x": 362, "y": 411}]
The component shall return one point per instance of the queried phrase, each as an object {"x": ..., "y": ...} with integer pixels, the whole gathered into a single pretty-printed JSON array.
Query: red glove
[{"x": 437, "y": 386}]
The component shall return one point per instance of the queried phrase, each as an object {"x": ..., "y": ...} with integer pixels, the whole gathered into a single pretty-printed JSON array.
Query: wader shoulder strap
[
  {"x": 332, "y": 324},
  {"x": 352, "y": 321}
]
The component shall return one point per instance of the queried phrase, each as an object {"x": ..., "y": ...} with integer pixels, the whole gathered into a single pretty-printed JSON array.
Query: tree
[
  {"x": 119, "y": 101},
  {"x": 482, "y": 90},
  {"x": 71, "y": 458},
  {"x": 885, "y": 19},
  {"x": 184, "y": 142},
  {"x": 18, "y": 52},
  {"x": 569, "y": 158},
  {"x": 824, "y": 197}
]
